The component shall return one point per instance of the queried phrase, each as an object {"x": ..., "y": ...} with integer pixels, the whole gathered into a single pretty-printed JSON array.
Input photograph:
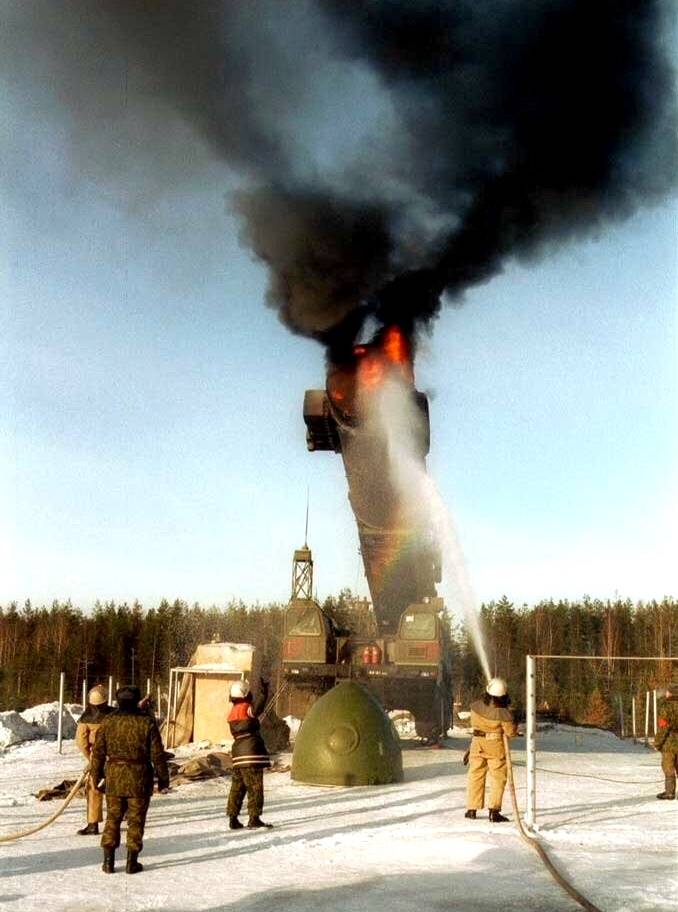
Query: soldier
[
  {"x": 666, "y": 741},
  {"x": 129, "y": 744},
  {"x": 248, "y": 754},
  {"x": 491, "y": 720},
  {"x": 88, "y": 725}
]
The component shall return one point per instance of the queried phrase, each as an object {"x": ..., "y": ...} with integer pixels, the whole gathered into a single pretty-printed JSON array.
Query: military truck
[{"x": 407, "y": 663}]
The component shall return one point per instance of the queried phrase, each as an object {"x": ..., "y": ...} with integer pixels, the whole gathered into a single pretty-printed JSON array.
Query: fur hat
[{"x": 128, "y": 694}]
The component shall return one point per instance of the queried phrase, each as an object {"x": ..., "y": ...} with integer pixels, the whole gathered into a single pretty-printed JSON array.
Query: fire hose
[
  {"x": 537, "y": 846},
  {"x": 41, "y": 826}
]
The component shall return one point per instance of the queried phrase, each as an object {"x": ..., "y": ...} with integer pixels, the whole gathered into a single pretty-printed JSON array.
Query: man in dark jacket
[
  {"x": 248, "y": 754},
  {"x": 127, "y": 748},
  {"x": 666, "y": 741}
]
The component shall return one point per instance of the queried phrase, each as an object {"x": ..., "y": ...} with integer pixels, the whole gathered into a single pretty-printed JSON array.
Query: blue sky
[{"x": 152, "y": 443}]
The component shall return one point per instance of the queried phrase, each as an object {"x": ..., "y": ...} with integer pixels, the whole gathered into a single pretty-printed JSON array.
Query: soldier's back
[{"x": 128, "y": 750}]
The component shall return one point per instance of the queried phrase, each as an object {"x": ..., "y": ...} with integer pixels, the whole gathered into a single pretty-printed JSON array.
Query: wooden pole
[
  {"x": 62, "y": 681},
  {"x": 159, "y": 707},
  {"x": 84, "y": 692},
  {"x": 110, "y": 690},
  {"x": 148, "y": 687},
  {"x": 633, "y": 717},
  {"x": 621, "y": 715}
]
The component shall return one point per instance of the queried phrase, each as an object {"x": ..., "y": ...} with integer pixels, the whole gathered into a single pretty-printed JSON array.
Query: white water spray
[{"x": 399, "y": 420}]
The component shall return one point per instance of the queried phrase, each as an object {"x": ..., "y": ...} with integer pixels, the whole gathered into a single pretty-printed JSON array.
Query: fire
[
  {"x": 395, "y": 346},
  {"x": 375, "y": 362}
]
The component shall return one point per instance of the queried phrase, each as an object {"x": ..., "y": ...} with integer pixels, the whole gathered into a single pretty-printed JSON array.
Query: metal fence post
[
  {"x": 654, "y": 711},
  {"x": 62, "y": 681},
  {"x": 530, "y": 747}
]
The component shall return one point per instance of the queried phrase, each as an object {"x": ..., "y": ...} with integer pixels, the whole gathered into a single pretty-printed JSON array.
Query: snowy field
[{"x": 401, "y": 847}]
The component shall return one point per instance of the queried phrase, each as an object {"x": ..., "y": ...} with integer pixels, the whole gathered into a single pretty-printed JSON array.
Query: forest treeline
[{"x": 134, "y": 644}]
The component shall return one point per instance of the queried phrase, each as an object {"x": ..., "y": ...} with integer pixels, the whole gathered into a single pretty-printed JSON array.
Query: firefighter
[
  {"x": 666, "y": 741},
  {"x": 248, "y": 754},
  {"x": 491, "y": 719},
  {"x": 88, "y": 725},
  {"x": 126, "y": 750}
]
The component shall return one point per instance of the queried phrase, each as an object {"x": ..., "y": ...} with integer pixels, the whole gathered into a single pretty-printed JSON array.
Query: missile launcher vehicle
[{"x": 406, "y": 665}]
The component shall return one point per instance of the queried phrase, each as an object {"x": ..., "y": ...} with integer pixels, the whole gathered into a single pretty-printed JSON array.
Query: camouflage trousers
[
  {"x": 250, "y": 781},
  {"x": 669, "y": 768},
  {"x": 136, "y": 809}
]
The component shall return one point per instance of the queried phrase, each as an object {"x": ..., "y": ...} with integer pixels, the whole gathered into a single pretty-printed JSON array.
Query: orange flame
[{"x": 375, "y": 363}]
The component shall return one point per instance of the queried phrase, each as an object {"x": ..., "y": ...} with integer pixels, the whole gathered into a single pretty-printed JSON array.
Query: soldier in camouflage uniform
[
  {"x": 248, "y": 754},
  {"x": 127, "y": 748},
  {"x": 666, "y": 741}
]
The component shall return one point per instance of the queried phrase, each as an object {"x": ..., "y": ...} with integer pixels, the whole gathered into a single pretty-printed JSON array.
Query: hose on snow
[
  {"x": 10, "y": 837},
  {"x": 537, "y": 846}
]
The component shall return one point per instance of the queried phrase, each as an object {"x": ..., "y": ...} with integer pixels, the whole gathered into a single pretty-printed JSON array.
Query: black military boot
[
  {"x": 92, "y": 829},
  {"x": 669, "y": 792},
  {"x": 234, "y": 824},
  {"x": 133, "y": 866},
  {"x": 255, "y": 823},
  {"x": 108, "y": 867},
  {"x": 497, "y": 816},
  {"x": 471, "y": 814}
]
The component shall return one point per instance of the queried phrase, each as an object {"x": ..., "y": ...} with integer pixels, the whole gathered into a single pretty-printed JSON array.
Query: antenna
[{"x": 306, "y": 529}]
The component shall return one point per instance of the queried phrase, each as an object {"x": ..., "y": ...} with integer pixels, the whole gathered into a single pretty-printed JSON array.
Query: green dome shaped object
[{"x": 347, "y": 739}]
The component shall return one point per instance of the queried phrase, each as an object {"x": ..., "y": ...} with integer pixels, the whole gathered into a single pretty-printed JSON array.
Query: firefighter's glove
[
  {"x": 163, "y": 786},
  {"x": 464, "y": 759}
]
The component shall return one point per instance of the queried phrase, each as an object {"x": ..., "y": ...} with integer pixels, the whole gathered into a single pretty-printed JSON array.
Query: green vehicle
[{"x": 407, "y": 664}]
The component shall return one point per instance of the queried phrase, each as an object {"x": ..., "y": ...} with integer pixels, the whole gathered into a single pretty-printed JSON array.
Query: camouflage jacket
[
  {"x": 127, "y": 748},
  {"x": 666, "y": 738}
]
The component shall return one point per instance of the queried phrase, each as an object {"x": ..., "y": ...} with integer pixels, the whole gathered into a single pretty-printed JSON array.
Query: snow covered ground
[{"x": 401, "y": 847}]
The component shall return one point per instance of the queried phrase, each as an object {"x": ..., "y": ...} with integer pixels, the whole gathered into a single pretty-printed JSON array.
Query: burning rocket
[{"x": 402, "y": 563}]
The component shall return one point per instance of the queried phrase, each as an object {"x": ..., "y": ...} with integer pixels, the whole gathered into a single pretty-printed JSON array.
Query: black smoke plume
[{"x": 394, "y": 152}]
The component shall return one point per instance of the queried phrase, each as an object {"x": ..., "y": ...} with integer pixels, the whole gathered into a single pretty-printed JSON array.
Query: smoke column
[
  {"x": 392, "y": 411},
  {"x": 391, "y": 153}
]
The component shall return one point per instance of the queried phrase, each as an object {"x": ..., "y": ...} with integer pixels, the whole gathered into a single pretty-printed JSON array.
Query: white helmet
[
  {"x": 239, "y": 690},
  {"x": 496, "y": 687},
  {"x": 97, "y": 695}
]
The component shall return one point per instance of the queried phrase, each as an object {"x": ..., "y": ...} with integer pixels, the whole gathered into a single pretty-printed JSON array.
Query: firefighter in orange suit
[
  {"x": 85, "y": 734},
  {"x": 491, "y": 719}
]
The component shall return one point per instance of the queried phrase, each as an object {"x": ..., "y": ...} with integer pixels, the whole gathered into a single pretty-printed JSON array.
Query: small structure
[
  {"x": 198, "y": 704},
  {"x": 347, "y": 739}
]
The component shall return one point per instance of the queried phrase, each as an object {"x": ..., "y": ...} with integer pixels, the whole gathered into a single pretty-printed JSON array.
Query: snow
[
  {"x": 14, "y": 729},
  {"x": 294, "y": 725},
  {"x": 372, "y": 849},
  {"x": 45, "y": 717}
]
